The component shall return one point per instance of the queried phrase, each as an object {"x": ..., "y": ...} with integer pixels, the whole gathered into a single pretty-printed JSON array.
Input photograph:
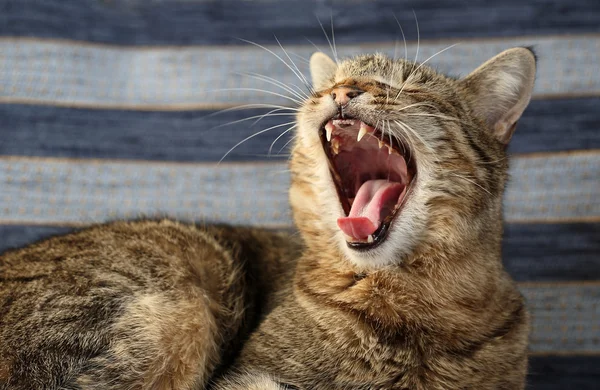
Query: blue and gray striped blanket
[{"x": 123, "y": 108}]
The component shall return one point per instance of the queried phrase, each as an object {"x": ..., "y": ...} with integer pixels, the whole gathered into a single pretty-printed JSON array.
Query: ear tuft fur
[
  {"x": 322, "y": 70},
  {"x": 500, "y": 90}
]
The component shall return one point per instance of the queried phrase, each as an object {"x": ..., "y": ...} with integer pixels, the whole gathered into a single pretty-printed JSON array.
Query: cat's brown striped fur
[
  {"x": 438, "y": 311},
  {"x": 429, "y": 308},
  {"x": 133, "y": 305}
]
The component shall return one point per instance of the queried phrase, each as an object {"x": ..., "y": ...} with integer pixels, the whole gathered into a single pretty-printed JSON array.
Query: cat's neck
[{"x": 451, "y": 297}]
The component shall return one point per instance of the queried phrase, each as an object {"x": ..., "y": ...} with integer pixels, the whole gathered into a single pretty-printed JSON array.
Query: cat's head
[{"x": 392, "y": 157}]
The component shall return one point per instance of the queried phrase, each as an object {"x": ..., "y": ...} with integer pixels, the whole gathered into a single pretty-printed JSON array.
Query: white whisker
[
  {"x": 402, "y": 139},
  {"x": 445, "y": 117},
  {"x": 410, "y": 131},
  {"x": 247, "y": 119},
  {"x": 491, "y": 162},
  {"x": 418, "y": 37},
  {"x": 414, "y": 71},
  {"x": 315, "y": 46},
  {"x": 305, "y": 81},
  {"x": 438, "y": 53},
  {"x": 296, "y": 92},
  {"x": 281, "y": 135},
  {"x": 276, "y": 56},
  {"x": 470, "y": 181},
  {"x": 274, "y": 112},
  {"x": 403, "y": 38},
  {"x": 333, "y": 38},
  {"x": 389, "y": 155},
  {"x": 405, "y": 49},
  {"x": 420, "y": 104},
  {"x": 252, "y": 136},
  {"x": 301, "y": 58},
  {"x": 249, "y": 107},
  {"x": 328, "y": 41},
  {"x": 258, "y": 90},
  {"x": 287, "y": 143}
]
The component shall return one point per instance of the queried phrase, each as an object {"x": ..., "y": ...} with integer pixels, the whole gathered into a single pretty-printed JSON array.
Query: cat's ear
[
  {"x": 322, "y": 70},
  {"x": 501, "y": 88}
]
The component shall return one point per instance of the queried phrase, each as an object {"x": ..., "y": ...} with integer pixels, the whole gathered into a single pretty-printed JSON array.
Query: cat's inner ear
[
  {"x": 322, "y": 70},
  {"x": 501, "y": 88}
]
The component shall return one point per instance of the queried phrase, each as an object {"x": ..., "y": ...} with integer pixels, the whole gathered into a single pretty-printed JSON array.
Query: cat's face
[{"x": 392, "y": 156}]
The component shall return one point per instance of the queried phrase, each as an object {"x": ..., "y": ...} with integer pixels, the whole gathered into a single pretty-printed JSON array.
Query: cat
[
  {"x": 397, "y": 282},
  {"x": 397, "y": 182}
]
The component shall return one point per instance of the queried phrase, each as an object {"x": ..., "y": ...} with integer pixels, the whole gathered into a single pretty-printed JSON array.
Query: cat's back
[{"x": 148, "y": 304}]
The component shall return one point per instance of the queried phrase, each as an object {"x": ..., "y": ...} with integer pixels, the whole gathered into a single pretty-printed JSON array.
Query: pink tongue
[{"x": 374, "y": 201}]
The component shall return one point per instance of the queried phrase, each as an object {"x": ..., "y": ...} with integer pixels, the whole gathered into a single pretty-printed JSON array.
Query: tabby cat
[{"x": 397, "y": 281}]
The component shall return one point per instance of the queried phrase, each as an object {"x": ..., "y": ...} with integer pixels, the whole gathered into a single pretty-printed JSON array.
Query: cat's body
[
  {"x": 139, "y": 305},
  {"x": 399, "y": 285}
]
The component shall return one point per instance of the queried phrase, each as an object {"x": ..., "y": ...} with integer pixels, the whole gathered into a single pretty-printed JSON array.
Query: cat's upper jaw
[{"x": 403, "y": 157}]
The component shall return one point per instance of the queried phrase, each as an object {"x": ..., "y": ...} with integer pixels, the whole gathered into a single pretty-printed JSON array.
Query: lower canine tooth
[
  {"x": 370, "y": 238},
  {"x": 335, "y": 146}
]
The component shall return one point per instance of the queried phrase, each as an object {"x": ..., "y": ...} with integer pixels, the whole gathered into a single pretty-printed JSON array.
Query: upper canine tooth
[
  {"x": 328, "y": 130},
  {"x": 364, "y": 129},
  {"x": 380, "y": 144},
  {"x": 361, "y": 133},
  {"x": 390, "y": 150}
]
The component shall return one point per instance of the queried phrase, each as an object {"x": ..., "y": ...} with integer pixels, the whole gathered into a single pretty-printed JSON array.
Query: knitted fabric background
[{"x": 112, "y": 109}]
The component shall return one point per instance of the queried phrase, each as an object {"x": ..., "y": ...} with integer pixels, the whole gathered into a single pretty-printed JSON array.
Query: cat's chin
[
  {"x": 373, "y": 176},
  {"x": 394, "y": 249}
]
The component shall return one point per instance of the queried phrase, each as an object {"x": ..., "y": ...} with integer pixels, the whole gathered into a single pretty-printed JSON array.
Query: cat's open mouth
[{"x": 372, "y": 174}]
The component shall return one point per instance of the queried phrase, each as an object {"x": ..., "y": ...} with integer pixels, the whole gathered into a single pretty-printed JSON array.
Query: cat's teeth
[
  {"x": 362, "y": 131},
  {"x": 380, "y": 144},
  {"x": 329, "y": 130},
  {"x": 370, "y": 238},
  {"x": 390, "y": 149},
  {"x": 335, "y": 146}
]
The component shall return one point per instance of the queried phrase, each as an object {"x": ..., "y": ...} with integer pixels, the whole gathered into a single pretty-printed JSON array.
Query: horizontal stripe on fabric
[
  {"x": 563, "y": 372},
  {"x": 174, "y": 136},
  {"x": 46, "y": 190},
  {"x": 70, "y": 74},
  {"x": 550, "y": 188},
  {"x": 203, "y": 136},
  {"x": 212, "y": 22},
  {"x": 546, "y": 188},
  {"x": 531, "y": 253},
  {"x": 550, "y": 252},
  {"x": 564, "y": 318}
]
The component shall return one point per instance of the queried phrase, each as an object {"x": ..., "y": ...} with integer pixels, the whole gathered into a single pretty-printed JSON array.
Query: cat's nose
[{"x": 342, "y": 95}]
